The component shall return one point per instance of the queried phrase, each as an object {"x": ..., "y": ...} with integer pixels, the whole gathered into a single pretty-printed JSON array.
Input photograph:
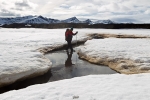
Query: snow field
[
  {"x": 20, "y": 58},
  {"x": 124, "y": 55},
  {"x": 93, "y": 87}
]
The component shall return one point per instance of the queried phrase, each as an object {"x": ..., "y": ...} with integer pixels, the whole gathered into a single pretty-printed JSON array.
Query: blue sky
[{"x": 117, "y": 10}]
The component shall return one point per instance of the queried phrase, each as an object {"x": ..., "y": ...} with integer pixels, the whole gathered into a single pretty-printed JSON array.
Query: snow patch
[
  {"x": 124, "y": 55},
  {"x": 93, "y": 87}
]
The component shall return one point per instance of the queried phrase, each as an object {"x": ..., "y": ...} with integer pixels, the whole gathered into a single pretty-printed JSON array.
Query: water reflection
[
  {"x": 68, "y": 62},
  {"x": 67, "y": 65}
]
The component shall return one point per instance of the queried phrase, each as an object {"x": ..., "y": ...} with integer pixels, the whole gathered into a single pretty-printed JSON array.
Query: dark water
[{"x": 65, "y": 66}]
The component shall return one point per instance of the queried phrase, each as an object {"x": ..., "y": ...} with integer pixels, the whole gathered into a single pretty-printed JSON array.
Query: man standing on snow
[{"x": 68, "y": 36}]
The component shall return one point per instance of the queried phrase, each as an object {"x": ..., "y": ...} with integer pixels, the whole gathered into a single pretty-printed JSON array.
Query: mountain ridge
[{"x": 44, "y": 20}]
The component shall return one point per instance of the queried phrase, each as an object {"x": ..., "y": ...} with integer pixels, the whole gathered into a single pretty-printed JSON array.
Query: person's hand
[{"x": 76, "y": 32}]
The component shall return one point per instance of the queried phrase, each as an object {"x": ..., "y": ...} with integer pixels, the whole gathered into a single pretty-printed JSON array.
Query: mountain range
[{"x": 44, "y": 20}]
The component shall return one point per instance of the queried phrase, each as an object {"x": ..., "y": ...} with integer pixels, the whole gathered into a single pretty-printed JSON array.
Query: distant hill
[{"x": 44, "y": 20}]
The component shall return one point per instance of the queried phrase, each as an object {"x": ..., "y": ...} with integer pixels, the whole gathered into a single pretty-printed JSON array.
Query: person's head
[
  {"x": 67, "y": 29},
  {"x": 71, "y": 28}
]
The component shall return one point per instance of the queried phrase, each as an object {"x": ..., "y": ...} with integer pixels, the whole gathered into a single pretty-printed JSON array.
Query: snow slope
[{"x": 93, "y": 87}]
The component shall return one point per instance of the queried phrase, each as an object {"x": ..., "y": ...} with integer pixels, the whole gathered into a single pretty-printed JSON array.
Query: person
[{"x": 68, "y": 37}]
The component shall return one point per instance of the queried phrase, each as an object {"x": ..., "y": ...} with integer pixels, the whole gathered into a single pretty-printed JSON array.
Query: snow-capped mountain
[
  {"x": 88, "y": 21},
  {"x": 34, "y": 20},
  {"x": 103, "y": 22},
  {"x": 28, "y": 20},
  {"x": 14, "y": 20},
  {"x": 71, "y": 20},
  {"x": 44, "y": 20},
  {"x": 48, "y": 20}
]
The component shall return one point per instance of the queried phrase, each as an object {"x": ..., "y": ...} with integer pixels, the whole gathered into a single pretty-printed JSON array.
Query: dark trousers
[{"x": 69, "y": 45}]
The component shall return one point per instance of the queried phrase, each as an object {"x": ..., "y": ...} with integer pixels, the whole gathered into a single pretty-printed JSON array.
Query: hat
[{"x": 71, "y": 28}]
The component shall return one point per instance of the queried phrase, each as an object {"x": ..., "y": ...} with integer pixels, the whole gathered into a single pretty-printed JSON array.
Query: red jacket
[{"x": 69, "y": 33}]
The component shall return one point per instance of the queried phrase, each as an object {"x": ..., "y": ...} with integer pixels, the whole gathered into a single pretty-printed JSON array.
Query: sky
[{"x": 115, "y": 10}]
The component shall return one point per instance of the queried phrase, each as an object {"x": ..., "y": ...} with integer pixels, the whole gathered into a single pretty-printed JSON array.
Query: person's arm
[{"x": 74, "y": 33}]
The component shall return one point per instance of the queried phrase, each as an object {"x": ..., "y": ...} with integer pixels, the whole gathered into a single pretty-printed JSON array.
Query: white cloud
[
  {"x": 61, "y": 9},
  {"x": 48, "y": 7},
  {"x": 147, "y": 11},
  {"x": 16, "y": 7}
]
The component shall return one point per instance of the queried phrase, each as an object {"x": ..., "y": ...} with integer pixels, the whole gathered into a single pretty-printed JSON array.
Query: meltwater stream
[
  {"x": 68, "y": 65},
  {"x": 65, "y": 65}
]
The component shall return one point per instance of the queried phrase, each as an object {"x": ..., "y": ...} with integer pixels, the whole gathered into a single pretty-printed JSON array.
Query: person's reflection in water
[{"x": 68, "y": 62}]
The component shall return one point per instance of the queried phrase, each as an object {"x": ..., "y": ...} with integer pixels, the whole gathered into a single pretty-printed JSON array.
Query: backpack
[
  {"x": 66, "y": 33},
  {"x": 68, "y": 37}
]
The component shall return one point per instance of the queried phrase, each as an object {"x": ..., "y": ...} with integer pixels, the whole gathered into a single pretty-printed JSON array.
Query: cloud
[
  {"x": 65, "y": 6},
  {"x": 147, "y": 11},
  {"x": 49, "y": 6},
  {"x": 123, "y": 10},
  {"x": 23, "y": 3},
  {"x": 16, "y": 8},
  {"x": 125, "y": 20},
  {"x": 6, "y": 13}
]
